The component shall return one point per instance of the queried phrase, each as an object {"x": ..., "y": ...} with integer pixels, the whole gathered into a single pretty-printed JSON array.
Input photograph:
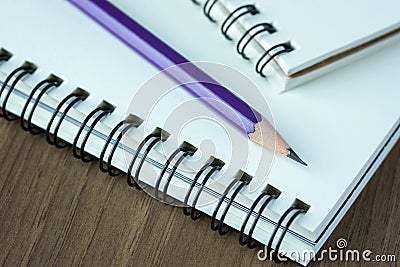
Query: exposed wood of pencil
[{"x": 266, "y": 135}]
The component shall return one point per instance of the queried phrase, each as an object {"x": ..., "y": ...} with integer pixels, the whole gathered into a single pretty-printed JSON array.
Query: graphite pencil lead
[{"x": 292, "y": 155}]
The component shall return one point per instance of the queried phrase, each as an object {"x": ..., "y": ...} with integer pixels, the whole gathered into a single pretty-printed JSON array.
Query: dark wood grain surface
[{"x": 56, "y": 210}]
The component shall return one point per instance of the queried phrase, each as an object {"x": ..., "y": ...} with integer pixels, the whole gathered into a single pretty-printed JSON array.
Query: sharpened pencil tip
[{"x": 292, "y": 155}]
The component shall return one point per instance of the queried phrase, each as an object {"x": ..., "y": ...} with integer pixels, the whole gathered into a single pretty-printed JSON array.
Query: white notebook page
[{"x": 333, "y": 113}]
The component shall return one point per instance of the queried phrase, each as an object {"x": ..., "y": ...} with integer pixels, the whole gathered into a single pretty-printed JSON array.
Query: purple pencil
[{"x": 257, "y": 128}]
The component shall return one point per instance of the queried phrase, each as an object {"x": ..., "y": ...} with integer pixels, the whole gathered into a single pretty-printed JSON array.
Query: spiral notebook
[
  {"x": 306, "y": 38},
  {"x": 78, "y": 74}
]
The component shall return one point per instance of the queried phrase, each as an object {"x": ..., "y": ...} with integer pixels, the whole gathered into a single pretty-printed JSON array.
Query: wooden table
[{"x": 57, "y": 210}]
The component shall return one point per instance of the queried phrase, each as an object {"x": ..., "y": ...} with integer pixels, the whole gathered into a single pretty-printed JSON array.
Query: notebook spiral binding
[
  {"x": 212, "y": 166},
  {"x": 246, "y": 10}
]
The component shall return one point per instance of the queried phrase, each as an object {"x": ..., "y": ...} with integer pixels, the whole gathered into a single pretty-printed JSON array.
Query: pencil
[{"x": 257, "y": 128}]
